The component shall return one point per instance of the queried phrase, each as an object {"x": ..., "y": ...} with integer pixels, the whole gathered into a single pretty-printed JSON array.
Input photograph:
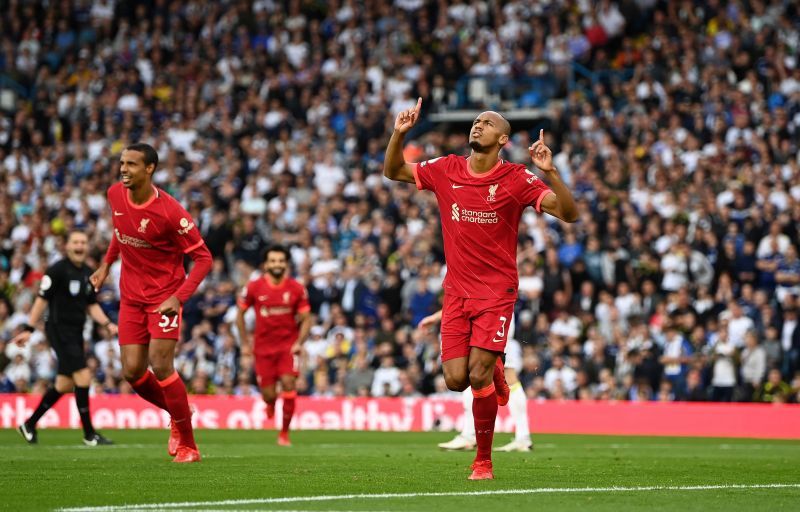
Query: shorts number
[
  {"x": 502, "y": 330},
  {"x": 171, "y": 321}
]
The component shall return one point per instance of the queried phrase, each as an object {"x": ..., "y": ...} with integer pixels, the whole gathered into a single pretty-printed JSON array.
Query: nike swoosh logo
[
  {"x": 117, "y": 214},
  {"x": 495, "y": 340},
  {"x": 457, "y": 186},
  {"x": 168, "y": 330}
]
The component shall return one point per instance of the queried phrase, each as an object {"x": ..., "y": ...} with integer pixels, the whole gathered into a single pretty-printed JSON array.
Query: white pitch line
[
  {"x": 249, "y": 510},
  {"x": 77, "y": 447},
  {"x": 541, "y": 490}
]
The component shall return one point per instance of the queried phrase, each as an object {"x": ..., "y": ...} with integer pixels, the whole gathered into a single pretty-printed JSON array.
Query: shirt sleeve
[
  {"x": 532, "y": 190},
  {"x": 113, "y": 250},
  {"x": 49, "y": 283},
  {"x": 184, "y": 231},
  {"x": 425, "y": 173},
  {"x": 245, "y": 299},
  {"x": 302, "y": 305}
]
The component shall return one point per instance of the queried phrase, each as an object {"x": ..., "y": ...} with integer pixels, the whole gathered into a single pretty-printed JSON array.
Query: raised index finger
[
  {"x": 541, "y": 134},
  {"x": 419, "y": 105}
]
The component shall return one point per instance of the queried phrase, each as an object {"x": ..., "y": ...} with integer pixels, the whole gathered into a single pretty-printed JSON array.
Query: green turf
[{"x": 247, "y": 465}]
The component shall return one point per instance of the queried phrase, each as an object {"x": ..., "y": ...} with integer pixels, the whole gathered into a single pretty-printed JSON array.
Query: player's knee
[
  {"x": 511, "y": 376},
  {"x": 480, "y": 376},
  {"x": 64, "y": 387},
  {"x": 163, "y": 370},
  {"x": 132, "y": 374},
  {"x": 456, "y": 383},
  {"x": 133, "y": 368}
]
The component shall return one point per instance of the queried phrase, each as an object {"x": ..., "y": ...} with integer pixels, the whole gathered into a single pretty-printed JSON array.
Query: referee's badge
[{"x": 74, "y": 288}]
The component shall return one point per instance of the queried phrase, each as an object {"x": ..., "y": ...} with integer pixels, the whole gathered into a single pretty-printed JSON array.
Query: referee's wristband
[{"x": 27, "y": 327}]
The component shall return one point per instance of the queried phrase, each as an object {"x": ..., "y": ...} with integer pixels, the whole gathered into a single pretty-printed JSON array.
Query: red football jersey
[
  {"x": 276, "y": 309},
  {"x": 480, "y": 222},
  {"x": 152, "y": 239}
]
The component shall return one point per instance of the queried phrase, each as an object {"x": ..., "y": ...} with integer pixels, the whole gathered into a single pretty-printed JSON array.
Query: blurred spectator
[
  {"x": 723, "y": 378},
  {"x": 676, "y": 358},
  {"x": 560, "y": 379},
  {"x": 753, "y": 366},
  {"x": 774, "y": 390},
  {"x": 695, "y": 391},
  {"x": 386, "y": 380}
]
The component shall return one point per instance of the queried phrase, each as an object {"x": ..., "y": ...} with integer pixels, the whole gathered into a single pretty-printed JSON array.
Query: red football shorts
[
  {"x": 469, "y": 323},
  {"x": 138, "y": 325},
  {"x": 270, "y": 367}
]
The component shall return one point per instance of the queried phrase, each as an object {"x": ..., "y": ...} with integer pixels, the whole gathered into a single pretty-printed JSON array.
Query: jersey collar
[
  {"x": 483, "y": 174},
  {"x": 269, "y": 281},
  {"x": 147, "y": 203}
]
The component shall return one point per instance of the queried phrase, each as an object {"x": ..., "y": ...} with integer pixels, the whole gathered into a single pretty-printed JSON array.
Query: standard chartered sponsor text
[
  {"x": 129, "y": 240},
  {"x": 479, "y": 217}
]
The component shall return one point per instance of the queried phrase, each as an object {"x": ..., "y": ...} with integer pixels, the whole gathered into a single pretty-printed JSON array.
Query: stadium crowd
[{"x": 681, "y": 280}]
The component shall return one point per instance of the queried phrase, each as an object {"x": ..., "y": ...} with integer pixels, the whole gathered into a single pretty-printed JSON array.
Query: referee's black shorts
[{"x": 67, "y": 341}]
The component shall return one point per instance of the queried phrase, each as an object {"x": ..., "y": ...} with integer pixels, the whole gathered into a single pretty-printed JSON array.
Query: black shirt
[{"x": 68, "y": 291}]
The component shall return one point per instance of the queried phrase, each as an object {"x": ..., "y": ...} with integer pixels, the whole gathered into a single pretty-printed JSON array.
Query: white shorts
[{"x": 513, "y": 355}]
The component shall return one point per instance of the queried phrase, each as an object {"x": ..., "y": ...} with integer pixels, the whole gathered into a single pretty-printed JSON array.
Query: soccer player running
[
  {"x": 517, "y": 401},
  {"x": 152, "y": 233},
  {"x": 481, "y": 199},
  {"x": 283, "y": 320},
  {"x": 66, "y": 294}
]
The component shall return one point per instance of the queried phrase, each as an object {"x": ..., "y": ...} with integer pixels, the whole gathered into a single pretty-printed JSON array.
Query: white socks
[
  {"x": 518, "y": 407},
  {"x": 468, "y": 430}
]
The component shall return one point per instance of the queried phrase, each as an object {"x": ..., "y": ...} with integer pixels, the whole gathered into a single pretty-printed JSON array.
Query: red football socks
[
  {"x": 148, "y": 388},
  {"x": 178, "y": 403},
  {"x": 484, "y": 409},
  {"x": 288, "y": 408}
]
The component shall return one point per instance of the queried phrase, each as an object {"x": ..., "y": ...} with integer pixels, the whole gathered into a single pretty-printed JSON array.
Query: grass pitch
[{"x": 245, "y": 470}]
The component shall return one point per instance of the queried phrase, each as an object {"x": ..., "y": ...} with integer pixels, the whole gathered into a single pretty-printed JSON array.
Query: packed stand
[{"x": 676, "y": 124}]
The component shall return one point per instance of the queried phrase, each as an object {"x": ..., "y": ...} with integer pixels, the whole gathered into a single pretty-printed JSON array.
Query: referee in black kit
[{"x": 67, "y": 295}]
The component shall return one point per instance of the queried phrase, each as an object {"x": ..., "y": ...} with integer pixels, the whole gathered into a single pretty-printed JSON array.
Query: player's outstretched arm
[
  {"x": 560, "y": 204},
  {"x": 394, "y": 165}
]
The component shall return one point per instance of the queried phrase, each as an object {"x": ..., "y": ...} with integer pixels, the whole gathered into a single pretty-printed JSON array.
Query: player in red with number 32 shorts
[
  {"x": 481, "y": 199},
  {"x": 152, "y": 233},
  {"x": 283, "y": 320}
]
